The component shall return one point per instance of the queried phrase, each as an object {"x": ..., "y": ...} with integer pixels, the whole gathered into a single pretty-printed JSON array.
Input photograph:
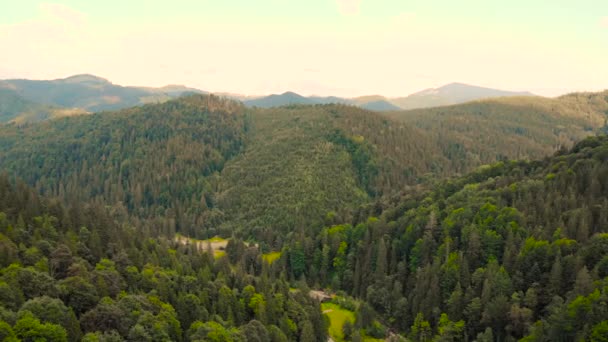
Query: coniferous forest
[{"x": 202, "y": 219}]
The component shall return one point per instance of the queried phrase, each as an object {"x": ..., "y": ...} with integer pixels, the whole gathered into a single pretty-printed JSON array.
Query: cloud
[
  {"x": 402, "y": 20},
  {"x": 348, "y": 7},
  {"x": 63, "y": 14},
  {"x": 58, "y": 41},
  {"x": 604, "y": 22}
]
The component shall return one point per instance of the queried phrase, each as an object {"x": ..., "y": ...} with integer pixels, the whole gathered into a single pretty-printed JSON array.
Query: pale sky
[{"x": 323, "y": 47}]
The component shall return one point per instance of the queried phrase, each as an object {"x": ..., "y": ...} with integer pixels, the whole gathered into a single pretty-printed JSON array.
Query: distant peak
[
  {"x": 84, "y": 78},
  {"x": 174, "y": 86},
  {"x": 290, "y": 93},
  {"x": 457, "y": 85}
]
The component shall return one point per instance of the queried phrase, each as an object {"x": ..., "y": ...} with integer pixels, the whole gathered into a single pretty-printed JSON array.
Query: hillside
[
  {"x": 486, "y": 131},
  {"x": 12, "y": 106},
  {"x": 203, "y": 165},
  {"x": 182, "y": 166},
  {"x": 158, "y": 163},
  {"x": 305, "y": 161},
  {"x": 90, "y": 93},
  {"x": 449, "y": 94},
  {"x": 16, "y": 109},
  {"x": 510, "y": 250}
]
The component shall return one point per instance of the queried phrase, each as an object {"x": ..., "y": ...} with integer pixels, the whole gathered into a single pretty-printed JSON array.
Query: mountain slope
[
  {"x": 158, "y": 163},
  {"x": 306, "y": 161},
  {"x": 453, "y": 93},
  {"x": 487, "y": 131},
  {"x": 90, "y": 93},
  {"x": 510, "y": 250},
  {"x": 12, "y": 105},
  {"x": 199, "y": 164},
  {"x": 14, "y": 108}
]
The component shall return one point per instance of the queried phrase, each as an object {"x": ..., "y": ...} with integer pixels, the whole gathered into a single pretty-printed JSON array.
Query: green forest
[{"x": 201, "y": 219}]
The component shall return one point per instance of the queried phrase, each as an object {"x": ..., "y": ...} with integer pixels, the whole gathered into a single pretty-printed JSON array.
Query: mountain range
[
  {"x": 453, "y": 93},
  {"x": 32, "y": 100}
]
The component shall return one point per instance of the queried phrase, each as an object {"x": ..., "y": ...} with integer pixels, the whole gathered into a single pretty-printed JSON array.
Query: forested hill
[
  {"x": 513, "y": 250},
  {"x": 482, "y": 132},
  {"x": 158, "y": 162},
  {"x": 203, "y": 165}
]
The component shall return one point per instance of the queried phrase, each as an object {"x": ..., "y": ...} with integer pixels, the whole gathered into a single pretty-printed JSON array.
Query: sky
[{"x": 322, "y": 47}]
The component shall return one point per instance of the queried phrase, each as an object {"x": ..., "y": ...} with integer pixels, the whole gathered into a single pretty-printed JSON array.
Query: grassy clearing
[
  {"x": 216, "y": 239},
  {"x": 217, "y": 244},
  {"x": 271, "y": 257},
  {"x": 337, "y": 316}
]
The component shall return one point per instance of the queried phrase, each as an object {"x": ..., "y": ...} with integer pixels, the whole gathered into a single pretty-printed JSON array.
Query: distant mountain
[
  {"x": 174, "y": 90},
  {"x": 91, "y": 93},
  {"x": 331, "y": 99},
  {"x": 453, "y": 93},
  {"x": 368, "y": 98},
  {"x": 375, "y": 102},
  {"x": 379, "y": 106},
  {"x": 278, "y": 100}
]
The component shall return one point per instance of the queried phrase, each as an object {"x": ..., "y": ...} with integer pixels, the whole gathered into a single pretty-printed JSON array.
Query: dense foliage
[
  {"x": 492, "y": 130},
  {"x": 156, "y": 162},
  {"x": 202, "y": 165},
  {"x": 304, "y": 161},
  {"x": 326, "y": 196},
  {"x": 78, "y": 272},
  {"x": 513, "y": 250}
]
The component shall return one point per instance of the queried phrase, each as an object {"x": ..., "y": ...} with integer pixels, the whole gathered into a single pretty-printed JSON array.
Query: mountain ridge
[
  {"x": 450, "y": 94},
  {"x": 93, "y": 93}
]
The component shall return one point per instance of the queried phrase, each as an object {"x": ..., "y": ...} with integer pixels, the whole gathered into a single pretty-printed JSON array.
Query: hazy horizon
[{"x": 343, "y": 48}]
